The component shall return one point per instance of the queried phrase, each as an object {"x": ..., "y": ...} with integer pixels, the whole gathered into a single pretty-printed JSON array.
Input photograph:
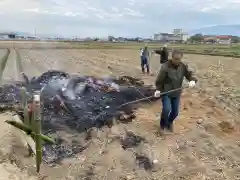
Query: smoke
[{"x": 75, "y": 104}]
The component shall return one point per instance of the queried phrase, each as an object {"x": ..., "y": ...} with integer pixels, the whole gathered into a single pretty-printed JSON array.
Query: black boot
[{"x": 170, "y": 127}]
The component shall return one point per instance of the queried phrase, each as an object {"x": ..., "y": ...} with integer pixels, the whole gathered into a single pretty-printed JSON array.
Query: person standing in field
[
  {"x": 163, "y": 54},
  {"x": 141, "y": 58},
  {"x": 170, "y": 77},
  {"x": 145, "y": 59},
  {"x": 141, "y": 53}
]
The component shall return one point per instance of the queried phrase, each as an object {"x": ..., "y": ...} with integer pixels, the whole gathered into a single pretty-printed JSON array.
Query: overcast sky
[{"x": 115, "y": 17}]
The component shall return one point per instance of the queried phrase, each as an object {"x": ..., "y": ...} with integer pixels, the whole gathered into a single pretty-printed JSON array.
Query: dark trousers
[
  {"x": 144, "y": 63},
  {"x": 170, "y": 110}
]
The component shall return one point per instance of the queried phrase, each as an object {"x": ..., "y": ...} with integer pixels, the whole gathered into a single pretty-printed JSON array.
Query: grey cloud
[{"x": 94, "y": 17}]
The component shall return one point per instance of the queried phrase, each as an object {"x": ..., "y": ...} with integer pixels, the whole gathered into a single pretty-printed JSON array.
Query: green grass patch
[{"x": 204, "y": 49}]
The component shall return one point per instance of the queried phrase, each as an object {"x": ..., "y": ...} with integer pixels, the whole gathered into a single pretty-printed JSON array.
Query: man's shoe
[
  {"x": 161, "y": 131},
  {"x": 170, "y": 128}
]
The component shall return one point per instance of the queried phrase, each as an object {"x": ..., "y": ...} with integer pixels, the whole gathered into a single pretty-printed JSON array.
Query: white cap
[
  {"x": 165, "y": 45},
  {"x": 36, "y": 97}
]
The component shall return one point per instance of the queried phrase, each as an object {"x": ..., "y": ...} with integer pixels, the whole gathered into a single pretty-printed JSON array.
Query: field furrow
[
  {"x": 204, "y": 145},
  {"x": 12, "y": 72}
]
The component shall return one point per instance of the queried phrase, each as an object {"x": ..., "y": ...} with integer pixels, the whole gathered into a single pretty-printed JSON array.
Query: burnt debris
[
  {"x": 144, "y": 162},
  {"x": 131, "y": 140},
  {"x": 74, "y": 104}
]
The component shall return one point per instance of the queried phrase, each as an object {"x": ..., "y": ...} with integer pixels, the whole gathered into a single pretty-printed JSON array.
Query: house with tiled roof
[{"x": 224, "y": 39}]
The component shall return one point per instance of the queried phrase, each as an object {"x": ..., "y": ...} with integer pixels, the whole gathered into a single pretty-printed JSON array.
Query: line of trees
[
  {"x": 112, "y": 39},
  {"x": 200, "y": 38}
]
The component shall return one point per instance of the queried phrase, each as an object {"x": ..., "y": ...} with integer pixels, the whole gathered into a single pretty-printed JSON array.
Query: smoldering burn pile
[{"x": 74, "y": 104}]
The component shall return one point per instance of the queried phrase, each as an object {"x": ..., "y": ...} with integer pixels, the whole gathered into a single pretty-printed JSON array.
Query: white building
[
  {"x": 4, "y": 37},
  {"x": 160, "y": 37},
  {"x": 224, "y": 39},
  {"x": 170, "y": 37},
  {"x": 7, "y": 35},
  {"x": 177, "y": 31},
  {"x": 184, "y": 37}
]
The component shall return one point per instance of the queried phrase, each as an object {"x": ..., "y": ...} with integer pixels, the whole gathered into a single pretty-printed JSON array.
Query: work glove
[
  {"x": 157, "y": 94},
  {"x": 191, "y": 84}
]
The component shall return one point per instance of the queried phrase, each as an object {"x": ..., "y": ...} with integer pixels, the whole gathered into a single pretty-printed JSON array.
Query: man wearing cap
[
  {"x": 163, "y": 54},
  {"x": 170, "y": 77}
]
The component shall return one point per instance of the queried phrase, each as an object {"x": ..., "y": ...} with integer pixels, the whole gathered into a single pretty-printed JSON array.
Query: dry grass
[{"x": 205, "y": 143}]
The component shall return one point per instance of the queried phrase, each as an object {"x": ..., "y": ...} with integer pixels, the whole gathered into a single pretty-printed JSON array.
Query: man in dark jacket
[
  {"x": 145, "y": 59},
  {"x": 170, "y": 77},
  {"x": 163, "y": 54}
]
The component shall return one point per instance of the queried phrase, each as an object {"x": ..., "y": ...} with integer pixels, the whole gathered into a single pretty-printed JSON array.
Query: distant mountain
[{"x": 218, "y": 30}]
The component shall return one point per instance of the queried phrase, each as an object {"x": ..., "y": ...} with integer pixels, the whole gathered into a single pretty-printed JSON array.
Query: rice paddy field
[{"x": 205, "y": 143}]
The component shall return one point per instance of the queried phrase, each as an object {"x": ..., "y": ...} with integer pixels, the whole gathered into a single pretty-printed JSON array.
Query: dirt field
[{"x": 205, "y": 143}]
